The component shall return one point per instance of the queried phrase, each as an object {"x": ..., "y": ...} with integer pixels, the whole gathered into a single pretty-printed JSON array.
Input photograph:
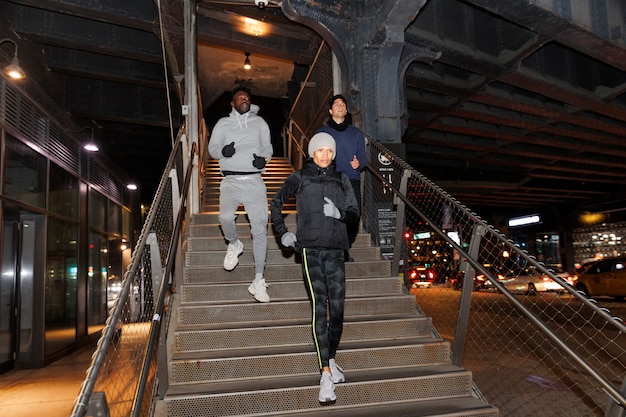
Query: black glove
[
  {"x": 229, "y": 150},
  {"x": 259, "y": 161}
]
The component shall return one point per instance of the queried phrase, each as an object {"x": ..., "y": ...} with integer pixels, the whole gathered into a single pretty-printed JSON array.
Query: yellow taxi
[{"x": 605, "y": 277}]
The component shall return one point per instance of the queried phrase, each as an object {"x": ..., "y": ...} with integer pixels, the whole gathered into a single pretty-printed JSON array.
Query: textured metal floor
[{"x": 231, "y": 356}]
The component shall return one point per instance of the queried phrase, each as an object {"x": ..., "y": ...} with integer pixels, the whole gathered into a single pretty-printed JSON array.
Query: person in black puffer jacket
[{"x": 326, "y": 205}]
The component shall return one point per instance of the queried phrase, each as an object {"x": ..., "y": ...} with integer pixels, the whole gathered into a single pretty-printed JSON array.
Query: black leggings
[{"x": 325, "y": 279}]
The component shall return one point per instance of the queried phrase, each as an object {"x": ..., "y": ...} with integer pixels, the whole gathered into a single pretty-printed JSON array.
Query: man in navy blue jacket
[{"x": 350, "y": 142}]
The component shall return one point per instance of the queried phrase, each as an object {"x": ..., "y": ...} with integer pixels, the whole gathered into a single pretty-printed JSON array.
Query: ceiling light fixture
[
  {"x": 246, "y": 63},
  {"x": 13, "y": 70}
]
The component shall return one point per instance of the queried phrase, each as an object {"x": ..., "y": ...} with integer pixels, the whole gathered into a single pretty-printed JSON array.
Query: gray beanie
[{"x": 321, "y": 140}]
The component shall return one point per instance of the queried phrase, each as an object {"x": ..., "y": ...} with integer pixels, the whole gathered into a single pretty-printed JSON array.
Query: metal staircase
[{"x": 231, "y": 356}]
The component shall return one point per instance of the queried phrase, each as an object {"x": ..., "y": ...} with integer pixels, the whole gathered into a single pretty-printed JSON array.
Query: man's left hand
[
  {"x": 258, "y": 162},
  {"x": 354, "y": 163}
]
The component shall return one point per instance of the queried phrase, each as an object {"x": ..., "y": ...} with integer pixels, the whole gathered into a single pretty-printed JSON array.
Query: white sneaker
[
  {"x": 258, "y": 289},
  {"x": 327, "y": 389},
  {"x": 232, "y": 255},
  {"x": 337, "y": 372}
]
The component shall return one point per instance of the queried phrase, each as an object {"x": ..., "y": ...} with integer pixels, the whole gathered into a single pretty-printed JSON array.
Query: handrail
[
  {"x": 156, "y": 325},
  {"x": 428, "y": 196},
  {"x": 611, "y": 390},
  {"x": 119, "y": 308}
]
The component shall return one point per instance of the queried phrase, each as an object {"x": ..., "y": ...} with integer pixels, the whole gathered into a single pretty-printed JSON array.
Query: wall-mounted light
[
  {"x": 13, "y": 70},
  {"x": 246, "y": 63},
  {"x": 90, "y": 146}
]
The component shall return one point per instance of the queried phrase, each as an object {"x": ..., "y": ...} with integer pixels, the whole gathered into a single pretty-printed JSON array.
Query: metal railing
[
  {"x": 532, "y": 352},
  {"x": 122, "y": 379}
]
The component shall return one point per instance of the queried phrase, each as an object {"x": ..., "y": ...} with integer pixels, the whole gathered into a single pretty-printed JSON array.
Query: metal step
[
  {"x": 237, "y": 342},
  {"x": 275, "y": 255},
  {"x": 211, "y": 218},
  {"x": 354, "y": 362},
  {"x": 209, "y": 243},
  {"x": 291, "y": 312},
  {"x": 423, "y": 392},
  {"x": 243, "y": 229},
  {"x": 285, "y": 290},
  {"x": 214, "y": 274}
]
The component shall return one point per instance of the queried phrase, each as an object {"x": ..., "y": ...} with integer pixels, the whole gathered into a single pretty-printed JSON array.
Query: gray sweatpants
[{"x": 250, "y": 191}]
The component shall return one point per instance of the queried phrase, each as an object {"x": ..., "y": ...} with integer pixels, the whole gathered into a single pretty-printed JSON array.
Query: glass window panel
[
  {"x": 114, "y": 279},
  {"x": 126, "y": 217},
  {"x": 97, "y": 211},
  {"x": 114, "y": 219},
  {"x": 24, "y": 174},
  {"x": 63, "y": 192},
  {"x": 7, "y": 287},
  {"x": 97, "y": 282},
  {"x": 61, "y": 285}
]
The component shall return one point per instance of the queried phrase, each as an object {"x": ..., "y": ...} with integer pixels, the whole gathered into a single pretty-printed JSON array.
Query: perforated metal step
[
  {"x": 244, "y": 273},
  {"x": 275, "y": 255},
  {"x": 218, "y": 342},
  {"x": 294, "y": 311},
  {"x": 243, "y": 228},
  {"x": 293, "y": 289},
  {"x": 353, "y": 361},
  {"x": 420, "y": 391},
  {"x": 206, "y": 243}
]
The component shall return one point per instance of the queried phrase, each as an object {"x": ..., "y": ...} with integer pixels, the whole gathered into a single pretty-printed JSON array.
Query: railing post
[
  {"x": 398, "y": 243},
  {"x": 614, "y": 409},
  {"x": 98, "y": 406},
  {"x": 466, "y": 296}
]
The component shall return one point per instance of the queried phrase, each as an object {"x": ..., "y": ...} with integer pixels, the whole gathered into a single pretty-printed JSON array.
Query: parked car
[
  {"x": 529, "y": 281},
  {"x": 605, "y": 277},
  {"x": 420, "y": 277},
  {"x": 480, "y": 281}
]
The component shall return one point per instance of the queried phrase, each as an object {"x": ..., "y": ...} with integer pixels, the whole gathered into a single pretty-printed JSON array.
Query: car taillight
[
  {"x": 480, "y": 277},
  {"x": 544, "y": 278},
  {"x": 413, "y": 274},
  {"x": 431, "y": 276}
]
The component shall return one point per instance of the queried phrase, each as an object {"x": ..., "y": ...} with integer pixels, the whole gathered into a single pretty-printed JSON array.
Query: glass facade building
[{"x": 66, "y": 233}]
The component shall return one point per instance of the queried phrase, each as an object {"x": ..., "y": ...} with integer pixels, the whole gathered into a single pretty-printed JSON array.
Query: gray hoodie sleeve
[{"x": 216, "y": 142}]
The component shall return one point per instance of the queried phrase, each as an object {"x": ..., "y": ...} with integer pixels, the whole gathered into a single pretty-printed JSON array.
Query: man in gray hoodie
[{"x": 242, "y": 144}]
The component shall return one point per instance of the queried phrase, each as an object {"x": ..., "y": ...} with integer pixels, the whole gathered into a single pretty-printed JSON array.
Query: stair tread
[{"x": 305, "y": 380}]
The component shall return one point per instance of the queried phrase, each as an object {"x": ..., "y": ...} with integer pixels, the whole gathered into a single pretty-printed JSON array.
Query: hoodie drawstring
[{"x": 245, "y": 120}]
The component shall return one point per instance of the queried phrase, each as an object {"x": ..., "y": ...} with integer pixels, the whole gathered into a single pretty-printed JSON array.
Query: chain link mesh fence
[
  {"x": 535, "y": 346},
  {"x": 124, "y": 353}
]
